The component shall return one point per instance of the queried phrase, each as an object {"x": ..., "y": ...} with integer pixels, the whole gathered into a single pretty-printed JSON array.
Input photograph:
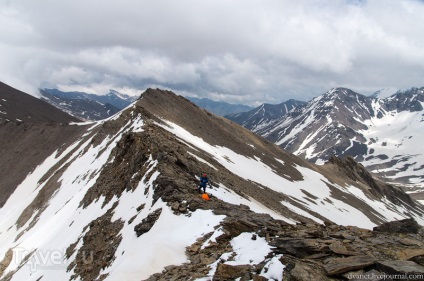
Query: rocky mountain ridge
[{"x": 123, "y": 192}]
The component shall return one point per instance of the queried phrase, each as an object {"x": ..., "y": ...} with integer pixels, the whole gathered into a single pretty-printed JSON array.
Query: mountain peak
[
  {"x": 340, "y": 93},
  {"x": 121, "y": 95}
]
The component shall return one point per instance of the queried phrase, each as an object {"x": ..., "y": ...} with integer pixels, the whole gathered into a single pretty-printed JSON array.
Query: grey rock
[
  {"x": 299, "y": 247},
  {"x": 339, "y": 248},
  {"x": 336, "y": 266},
  {"x": 401, "y": 226},
  {"x": 305, "y": 272},
  {"x": 229, "y": 272},
  {"x": 400, "y": 267},
  {"x": 147, "y": 223}
]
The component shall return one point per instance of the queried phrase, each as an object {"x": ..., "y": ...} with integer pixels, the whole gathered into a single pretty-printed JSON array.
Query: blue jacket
[{"x": 203, "y": 181}]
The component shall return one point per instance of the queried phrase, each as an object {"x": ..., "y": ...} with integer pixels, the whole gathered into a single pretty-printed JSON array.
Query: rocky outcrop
[
  {"x": 147, "y": 223},
  {"x": 400, "y": 267},
  {"x": 308, "y": 251},
  {"x": 336, "y": 266},
  {"x": 401, "y": 226},
  {"x": 98, "y": 248},
  {"x": 230, "y": 272},
  {"x": 6, "y": 261}
]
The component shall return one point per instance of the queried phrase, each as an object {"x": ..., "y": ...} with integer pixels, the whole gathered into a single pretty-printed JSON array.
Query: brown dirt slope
[{"x": 24, "y": 146}]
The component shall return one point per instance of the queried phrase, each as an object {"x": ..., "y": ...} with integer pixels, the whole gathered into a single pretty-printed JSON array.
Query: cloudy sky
[{"x": 240, "y": 51}]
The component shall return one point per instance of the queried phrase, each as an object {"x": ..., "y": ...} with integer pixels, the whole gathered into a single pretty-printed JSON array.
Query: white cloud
[{"x": 243, "y": 50}]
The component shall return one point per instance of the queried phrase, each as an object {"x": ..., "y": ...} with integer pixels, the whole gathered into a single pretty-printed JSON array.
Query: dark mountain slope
[
  {"x": 19, "y": 106},
  {"x": 30, "y": 130},
  {"x": 24, "y": 146}
]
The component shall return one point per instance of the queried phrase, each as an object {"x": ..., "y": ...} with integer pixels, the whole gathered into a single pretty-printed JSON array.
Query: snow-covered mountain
[
  {"x": 384, "y": 93},
  {"x": 383, "y": 134},
  {"x": 118, "y": 201},
  {"x": 264, "y": 114},
  {"x": 87, "y": 106}
]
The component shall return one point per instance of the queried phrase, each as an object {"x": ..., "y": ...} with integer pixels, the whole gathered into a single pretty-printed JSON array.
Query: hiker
[{"x": 203, "y": 182}]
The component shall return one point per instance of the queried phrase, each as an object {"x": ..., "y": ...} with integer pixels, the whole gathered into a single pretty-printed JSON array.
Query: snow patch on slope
[{"x": 394, "y": 136}]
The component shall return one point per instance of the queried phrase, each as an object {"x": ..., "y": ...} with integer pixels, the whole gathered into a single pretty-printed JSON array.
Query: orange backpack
[{"x": 205, "y": 196}]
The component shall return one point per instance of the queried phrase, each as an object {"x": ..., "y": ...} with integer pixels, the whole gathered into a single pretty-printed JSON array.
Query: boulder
[
  {"x": 401, "y": 226},
  {"x": 410, "y": 242},
  {"x": 298, "y": 247},
  {"x": 338, "y": 248},
  {"x": 400, "y": 267},
  {"x": 147, "y": 223},
  {"x": 259, "y": 278},
  {"x": 305, "y": 272},
  {"x": 236, "y": 227},
  {"x": 336, "y": 266},
  {"x": 409, "y": 254},
  {"x": 230, "y": 272}
]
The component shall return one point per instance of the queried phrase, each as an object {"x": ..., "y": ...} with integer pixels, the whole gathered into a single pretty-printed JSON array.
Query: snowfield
[{"x": 396, "y": 136}]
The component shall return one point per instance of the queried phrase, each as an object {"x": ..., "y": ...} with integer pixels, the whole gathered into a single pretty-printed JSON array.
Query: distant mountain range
[
  {"x": 87, "y": 106},
  {"x": 264, "y": 114},
  {"x": 384, "y": 134},
  {"x": 97, "y": 107},
  {"x": 219, "y": 107}
]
